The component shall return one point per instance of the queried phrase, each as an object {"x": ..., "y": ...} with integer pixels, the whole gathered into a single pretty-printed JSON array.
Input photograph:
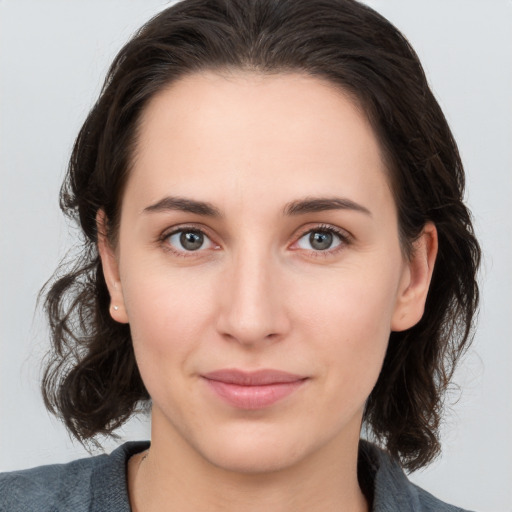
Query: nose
[{"x": 253, "y": 299}]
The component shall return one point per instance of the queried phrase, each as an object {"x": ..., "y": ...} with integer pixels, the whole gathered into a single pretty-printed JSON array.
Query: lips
[{"x": 253, "y": 390}]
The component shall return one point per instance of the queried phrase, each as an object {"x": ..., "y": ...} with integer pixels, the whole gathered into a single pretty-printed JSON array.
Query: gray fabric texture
[{"x": 98, "y": 484}]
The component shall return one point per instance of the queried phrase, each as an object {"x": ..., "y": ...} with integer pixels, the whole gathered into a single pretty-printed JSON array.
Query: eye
[
  {"x": 188, "y": 240},
  {"x": 320, "y": 239}
]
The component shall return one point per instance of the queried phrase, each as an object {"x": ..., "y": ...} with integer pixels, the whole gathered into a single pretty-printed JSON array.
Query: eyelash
[
  {"x": 163, "y": 240},
  {"x": 344, "y": 237}
]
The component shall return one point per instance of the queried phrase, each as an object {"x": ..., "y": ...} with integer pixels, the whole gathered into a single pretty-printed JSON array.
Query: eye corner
[
  {"x": 172, "y": 240},
  {"x": 332, "y": 235}
]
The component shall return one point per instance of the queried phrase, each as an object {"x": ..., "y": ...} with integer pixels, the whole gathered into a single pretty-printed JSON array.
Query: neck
[{"x": 172, "y": 476}]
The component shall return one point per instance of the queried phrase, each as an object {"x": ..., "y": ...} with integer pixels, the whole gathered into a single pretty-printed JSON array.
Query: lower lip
[{"x": 253, "y": 397}]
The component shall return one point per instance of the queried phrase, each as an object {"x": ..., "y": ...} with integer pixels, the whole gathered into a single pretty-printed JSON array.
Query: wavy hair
[{"x": 91, "y": 380}]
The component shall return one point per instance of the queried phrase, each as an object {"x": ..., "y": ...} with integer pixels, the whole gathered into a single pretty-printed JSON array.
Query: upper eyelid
[
  {"x": 303, "y": 229},
  {"x": 167, "y": 233},
  {"x": 184, "y": 227},
  {"x": 166, "y": 246},
  {"x": 342, "y": 233}
]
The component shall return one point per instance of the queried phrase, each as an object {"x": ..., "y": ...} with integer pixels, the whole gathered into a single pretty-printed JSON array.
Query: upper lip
[{"x": 252, "y": 378}]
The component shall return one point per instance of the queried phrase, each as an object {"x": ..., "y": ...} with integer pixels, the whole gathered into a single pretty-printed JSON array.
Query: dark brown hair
[{"x": 91, "y": 379}]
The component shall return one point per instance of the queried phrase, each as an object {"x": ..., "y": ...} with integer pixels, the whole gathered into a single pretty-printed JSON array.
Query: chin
[
  {"x": 259, "y": 460},
  {"x": 256, "y": 452}
]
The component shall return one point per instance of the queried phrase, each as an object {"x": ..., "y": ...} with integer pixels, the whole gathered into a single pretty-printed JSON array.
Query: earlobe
[
  {"x": 417, "y": 275},
  {"x": 110, "y": 267}
]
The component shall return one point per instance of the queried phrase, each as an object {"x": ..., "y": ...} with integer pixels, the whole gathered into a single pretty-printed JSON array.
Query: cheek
[
  {"x": 354, "y": 304},
  {"x": 167, "y": 318},
  {"x": 351, "y": 326}
]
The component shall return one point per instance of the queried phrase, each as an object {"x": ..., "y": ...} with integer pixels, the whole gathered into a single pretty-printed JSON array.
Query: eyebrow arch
[
  {"x": 320, "y": 204},
  {"x": 184, "y": 205}
]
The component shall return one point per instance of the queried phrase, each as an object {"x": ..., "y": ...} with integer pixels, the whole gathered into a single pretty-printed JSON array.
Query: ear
[
  {"x": 110, "y": 270},
  {"x": 415, "y": 281}
]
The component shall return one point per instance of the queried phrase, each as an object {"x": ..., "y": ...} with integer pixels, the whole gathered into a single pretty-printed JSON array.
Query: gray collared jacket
[{"x": 98, "y": 484}]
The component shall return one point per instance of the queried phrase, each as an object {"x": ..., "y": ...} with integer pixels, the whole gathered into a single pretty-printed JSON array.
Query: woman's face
[{"x": 258, "y": 232}]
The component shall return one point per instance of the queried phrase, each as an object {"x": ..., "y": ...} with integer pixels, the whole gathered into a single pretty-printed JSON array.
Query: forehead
[{"x": 254, "y": 132}]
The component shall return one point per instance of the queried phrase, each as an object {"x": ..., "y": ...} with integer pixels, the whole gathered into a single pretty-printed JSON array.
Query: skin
[{"x": 258, "y": 294}]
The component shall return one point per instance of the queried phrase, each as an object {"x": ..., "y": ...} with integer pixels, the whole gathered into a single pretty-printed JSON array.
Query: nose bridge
[{"x": 252, "y": 306}]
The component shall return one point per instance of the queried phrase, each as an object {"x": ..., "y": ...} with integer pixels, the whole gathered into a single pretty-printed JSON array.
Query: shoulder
[
  {"x": 94, "y": 483},
  {"x": 392, "y": 491},
  {"x": 430, "y": 503},
  {"x": 55, "y": 486}
]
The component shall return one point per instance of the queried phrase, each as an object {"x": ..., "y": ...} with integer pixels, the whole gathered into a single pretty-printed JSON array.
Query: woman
[{"x": 277, "y": 253}]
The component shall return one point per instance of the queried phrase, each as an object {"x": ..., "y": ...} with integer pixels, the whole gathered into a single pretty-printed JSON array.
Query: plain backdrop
[{"x": 53, "y": 57}]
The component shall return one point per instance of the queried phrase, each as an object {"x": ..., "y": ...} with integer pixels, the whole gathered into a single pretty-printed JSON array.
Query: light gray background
[{"x": 53, "y": 56}]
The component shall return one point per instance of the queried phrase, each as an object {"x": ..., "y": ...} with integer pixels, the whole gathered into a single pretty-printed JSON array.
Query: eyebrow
[
  {"x": 321, "y": 204},
  {"x": 184, "y": 205},
  {"x": 298, "y": 207}
]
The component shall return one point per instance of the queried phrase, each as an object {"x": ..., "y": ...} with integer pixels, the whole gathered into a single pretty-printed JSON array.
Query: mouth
[{"x": 253, "y": 390}]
